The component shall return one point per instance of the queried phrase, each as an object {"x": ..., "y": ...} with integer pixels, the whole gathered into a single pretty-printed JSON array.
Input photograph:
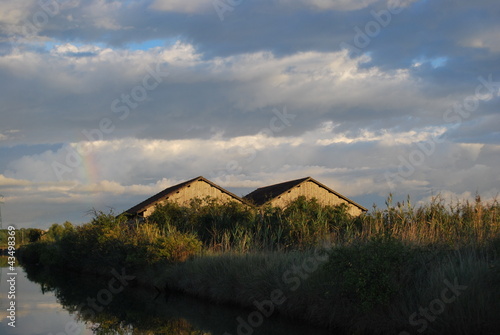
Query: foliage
[
  {"x": 304, "y": 223},
  {"x": 382, "y": 268},
  {"x": 21, "y": 237},
  {"x": 34, "y": 235},
  {"x": 57, "y": 231},
  {"x": 109, "y": 241},
  {"x": 150, "y": 247},
  {"x": 372, "y": 287}
]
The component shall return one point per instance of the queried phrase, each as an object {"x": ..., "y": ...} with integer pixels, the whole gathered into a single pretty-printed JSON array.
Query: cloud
[
  {"x": 488, "y": 40},
  {"x": 132, "y": 96},
  {"x": 13, "y": 11},
  {"x": 193, "y": 6},
  {"x": 205, "y": 6},
  {"x": 341, "y": 5},
  {"x": 73, "y": 87},
  {"x": 4, "y": 181},
  {"x": 355, "y": 164}
]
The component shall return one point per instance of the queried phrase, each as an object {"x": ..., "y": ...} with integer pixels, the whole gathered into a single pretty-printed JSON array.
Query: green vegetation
[
  {"x": 234, "y": 227},
  {"x": 109, "y": 241},
  {"x": 306, "y": 224},
  {"x": 340, "y": 288},
  {"x": 22, "y": 236},
  {"x": 384, "y": 271},
  {"x": 369, "y": 274}
]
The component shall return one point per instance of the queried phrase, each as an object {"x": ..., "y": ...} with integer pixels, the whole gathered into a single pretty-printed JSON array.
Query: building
[
  {"x": 182, "y": 194},
  {"x": 279, "y": 195}
]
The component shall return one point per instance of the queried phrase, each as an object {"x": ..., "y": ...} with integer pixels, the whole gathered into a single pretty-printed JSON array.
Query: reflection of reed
[{"x": 139, "y": 310}]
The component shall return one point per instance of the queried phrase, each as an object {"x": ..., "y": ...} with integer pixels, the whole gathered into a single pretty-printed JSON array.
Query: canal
[{"x": 64, "y": 303}]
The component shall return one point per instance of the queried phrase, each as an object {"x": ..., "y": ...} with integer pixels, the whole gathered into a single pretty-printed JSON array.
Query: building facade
[
  {"x": 182, "y": 194},
  {"x": 280, "y": 195}
]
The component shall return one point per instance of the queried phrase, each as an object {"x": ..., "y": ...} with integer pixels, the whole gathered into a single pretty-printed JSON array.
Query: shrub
[
  {"x": 148, "y": 246},
  {"x": 172, "y": 215},
  {"x": 177, "y": 247},
  {"x": 34, "y": 235},
  {"x": 109, "y": 241}
]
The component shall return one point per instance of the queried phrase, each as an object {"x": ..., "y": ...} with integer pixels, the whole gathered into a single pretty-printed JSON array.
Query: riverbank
[
  {"x": 380, "y": 287},
  {"x": 438, "y": 275}
]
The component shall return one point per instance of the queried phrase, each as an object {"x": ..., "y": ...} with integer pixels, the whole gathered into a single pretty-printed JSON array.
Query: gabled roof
[
  {"x": 265, "y": 194},
  {"x": 173, "y": 189}
]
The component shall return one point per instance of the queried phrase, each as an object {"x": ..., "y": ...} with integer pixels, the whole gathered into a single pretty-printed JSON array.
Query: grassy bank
[
  {"x": 400, "y": 270},
  {"x": 379, "y": 286}
]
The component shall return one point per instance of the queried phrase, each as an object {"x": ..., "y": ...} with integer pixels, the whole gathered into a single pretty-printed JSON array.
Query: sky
[{"x": 105, "y": 103}]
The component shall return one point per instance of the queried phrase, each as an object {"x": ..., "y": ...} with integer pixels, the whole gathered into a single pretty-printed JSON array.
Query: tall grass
[
  {"x": 380, "y": 286},
  {"x": 383, "y": 268},
  {"x": 455, "y": 224},
  {"x": 379, "y": 269},
  {"x": 305, "y": 223}
]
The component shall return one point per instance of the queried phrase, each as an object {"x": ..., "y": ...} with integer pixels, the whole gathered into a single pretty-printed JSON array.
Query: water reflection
[
  {"x": 36, "y": 313},
  {"x": 136, "y": 310}
]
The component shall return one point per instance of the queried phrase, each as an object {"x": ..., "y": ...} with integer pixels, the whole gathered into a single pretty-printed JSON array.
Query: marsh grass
[
  {"x": 305, "y": 223},
  {"x": 379, "y": 269},
  {"x": 454, "y": 224},
  {"x": 376, "y": 287}
]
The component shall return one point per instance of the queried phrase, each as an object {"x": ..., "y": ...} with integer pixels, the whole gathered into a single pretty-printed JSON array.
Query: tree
[{"x": 34, "y": 234}]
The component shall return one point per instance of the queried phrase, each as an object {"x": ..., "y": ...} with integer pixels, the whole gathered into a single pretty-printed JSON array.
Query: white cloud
[
  {"x": 180, "y": 6},
  {"x": 13, "y": 11},
  {"x": 4, "y": 181},
  {"x": 454, "y": 198},
  {"x": 207, "y": 6},
  {"x": 141, "y": 159},
  {"x": 103, "y": 12},
  {"x": 120, "y": 173},
  {"x": 341, "y": 5},
  {"x": 384, "y": 136},
  {"x": 484, "y": 40},
  {"x": 308, "y": 79},
  {"x": 311, "y": 84}
]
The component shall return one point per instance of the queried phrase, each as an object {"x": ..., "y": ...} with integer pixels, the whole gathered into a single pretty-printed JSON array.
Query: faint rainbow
[{"x": 90, "y": 172}]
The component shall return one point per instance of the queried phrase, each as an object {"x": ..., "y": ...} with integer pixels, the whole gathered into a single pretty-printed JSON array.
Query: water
[{"x": 70, "y": 304}]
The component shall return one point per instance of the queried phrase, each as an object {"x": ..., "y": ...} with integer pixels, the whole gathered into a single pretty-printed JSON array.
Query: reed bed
[
  {"x": 305, "y": 223},
  {"x": 433, "y": 268}
]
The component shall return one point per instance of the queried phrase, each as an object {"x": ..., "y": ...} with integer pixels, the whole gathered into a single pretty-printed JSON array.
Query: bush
[
  {"x": 34, "y": 235},
  {"x": 148, "y": 246},
  {"x": 177, "y": 247},
  {"x": 109, "y": 241}
]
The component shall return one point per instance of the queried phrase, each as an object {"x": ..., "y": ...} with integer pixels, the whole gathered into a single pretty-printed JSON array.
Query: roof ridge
[
  {"x": 279, "y": 189},
  {"x": 264, "y": 194},
  {"x": 158, "y": 196}
]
